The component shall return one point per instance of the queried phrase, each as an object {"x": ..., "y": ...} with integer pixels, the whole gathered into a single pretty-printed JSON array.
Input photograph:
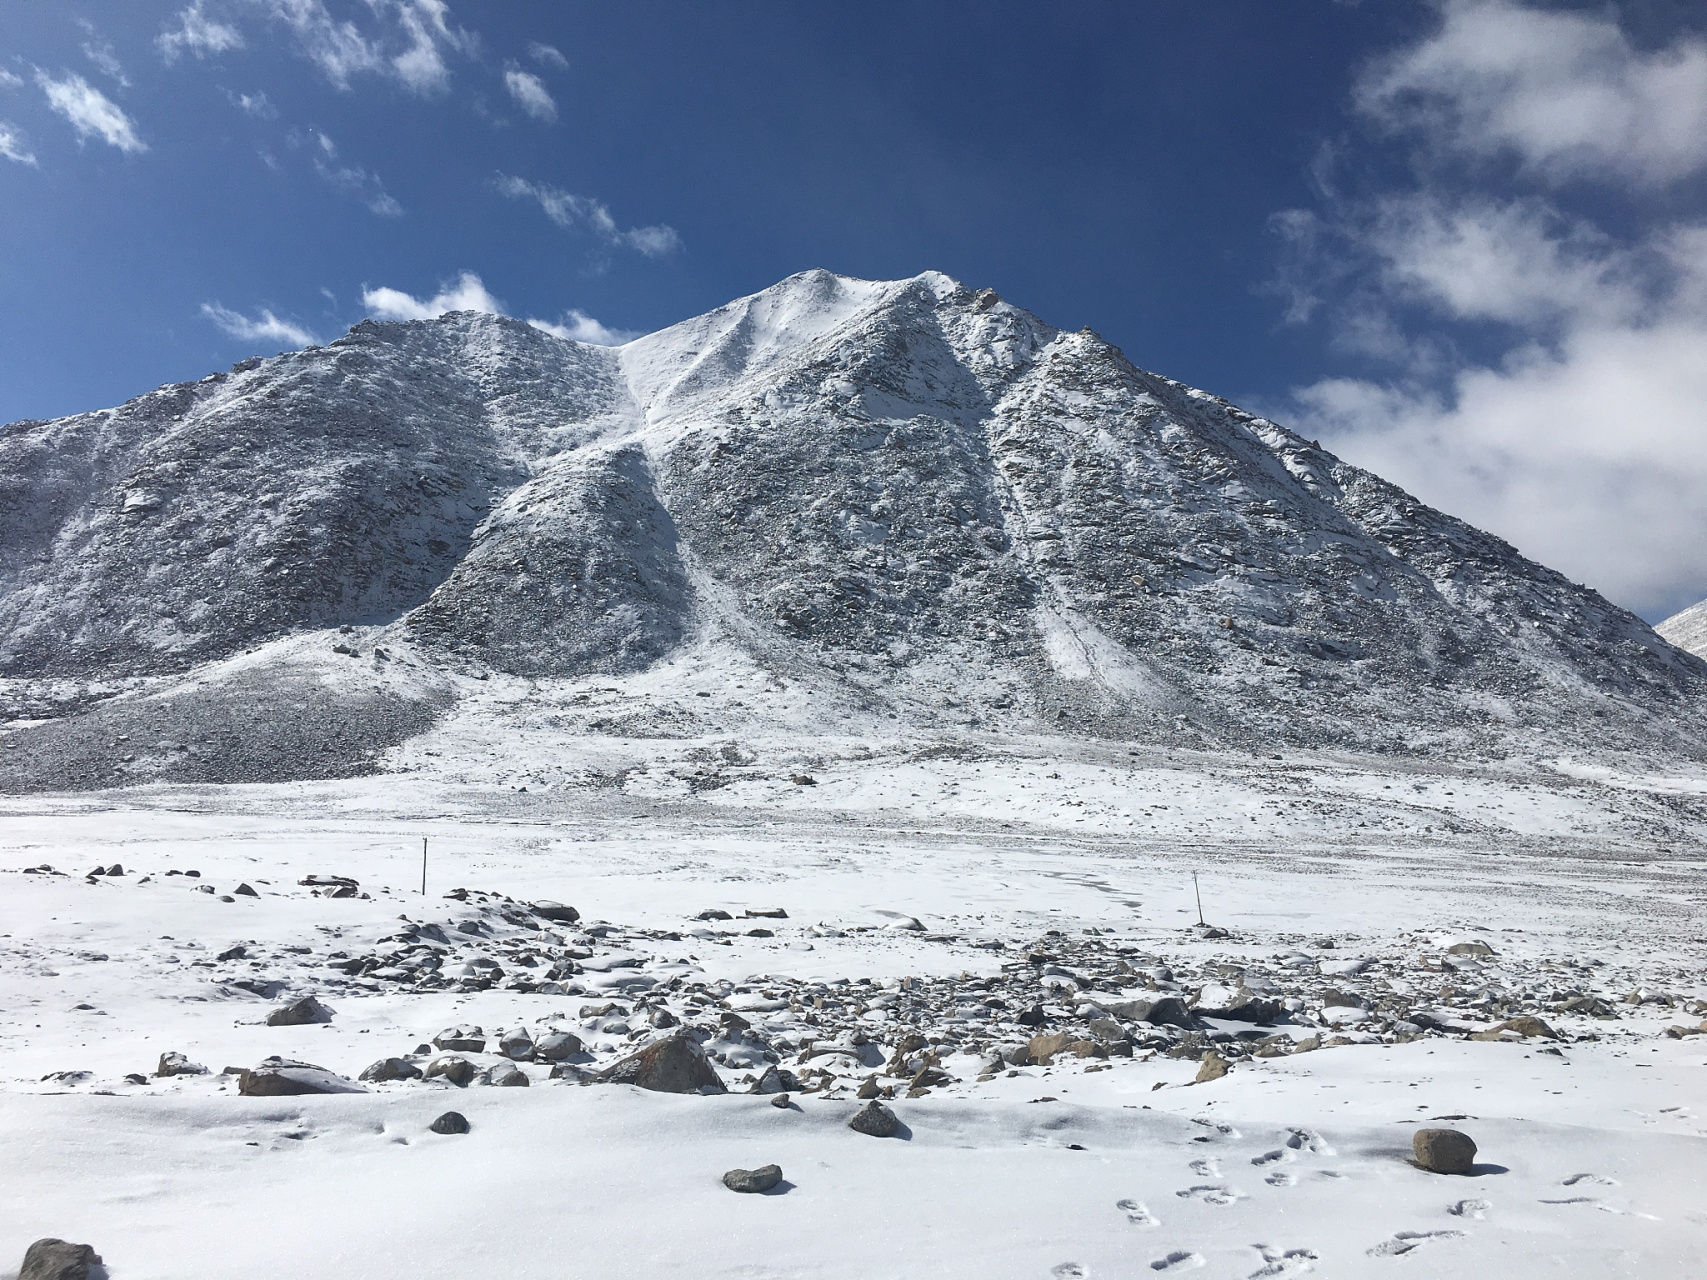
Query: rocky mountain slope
[
  {"x": 917, "y": 496},
  {"x": 1687, "y": 629}
]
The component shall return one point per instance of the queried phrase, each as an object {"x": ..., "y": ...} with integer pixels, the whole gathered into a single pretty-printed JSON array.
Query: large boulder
[
  {"x": 283, "y": 1078},
  {"x": 1161, "y": 1011},
  {"x": 52, "y": 1259},
  {"x": 461, "y": 1039},
  {"x": 392, "y": 1069},
  {"x": 548, "y": 910},
  {"x": 1240, "y": 1004},
  {"x": 459, "y": 1071},
  {"x": 675, "y": 1064},
  {"x": 176, "y": 1064},
  {"x": 299, "y": 1013},
  {"x": 557, "y": 1046}
]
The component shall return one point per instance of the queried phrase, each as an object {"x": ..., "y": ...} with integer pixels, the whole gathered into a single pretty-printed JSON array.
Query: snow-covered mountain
[
  {"x": 1687, "y": 629},
  {"x": 911, "y": 495}
]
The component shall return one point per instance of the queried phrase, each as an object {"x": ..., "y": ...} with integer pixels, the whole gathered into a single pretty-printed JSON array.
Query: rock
[
  {"x": 506, "y": 1075},
  {"x": 245, "y": 891},
  {"x": 1212, "y": 1066},
  {"x": 1334, "y": 998},
  {"x": 115, "y": 870},
  {"x": 1527, "y": 1025},
  {"x": 765, "y": 913},
  {"x": 283, "y": 1078},
  {"x": 868, "y": 1088},
  {"x": 461, "y": 1039},
  {"x": 1443, "y": 1150},
  {"x": 176, "y": 1064},
  {"x": 753, "y": 1180},
  {"x": 1032, "y": 1017},
  {"x": 714, "y": 913},
  {"x": 1240, "y": 1004},
  {"x": 907, "y": 924},
  {"x": 459, "y": 1071},
  {"x": 1469, "y": 949},
  {"x": 548, "y": 910},
  {"x": 239, "y": 952},
  {"x": 674, "y": 1064},
  {"x": 557, "y": 1046},
  {"x": 1164, "y": 1011},
  {"x": 302, "y": 1013},
  {"x": 775, "y": 1080},
  {"x": 662, "y": 1019},
  {"x": 1107, "y": 1029},
  {"x": 516, "y": 1044},
  {"x": 874, "y": 1119},
  {"x": 391, "y": 1069},
  {"x": 781, "y": 1100},
  {"x": 450, "y": 1122},
  {"x": 1042, "y": 1049},
  {"x": 52, "y": 1259}
]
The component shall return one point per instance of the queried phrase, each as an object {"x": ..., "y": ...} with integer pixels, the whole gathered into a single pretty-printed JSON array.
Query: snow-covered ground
[{"x": 1053, "y": 875}]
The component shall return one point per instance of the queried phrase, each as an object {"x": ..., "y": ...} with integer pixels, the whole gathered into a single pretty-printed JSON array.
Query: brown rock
[
  {"x": 1212, "y": 1066},
  {"x": 1528, "y": 1025},
  {"x": 675, "y": 1064},
  {"x": 1469, "y": 949},
  {"x": 1041, "y": 1050},
  {"x": 392, "y": 1069},
  {"x": 1443, "y": 1150},
  {"x": 459, "y": 1071},
  {"x": 52, "y": 1259}
]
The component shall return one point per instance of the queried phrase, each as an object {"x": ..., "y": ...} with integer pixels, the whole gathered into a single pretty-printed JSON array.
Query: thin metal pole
[
  {"x": 424, "y": 867},
  {"x": 1194, "y": 889}
]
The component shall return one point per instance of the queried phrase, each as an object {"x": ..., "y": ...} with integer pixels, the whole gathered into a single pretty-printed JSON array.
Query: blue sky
[{"x": 1463, "y": 243}]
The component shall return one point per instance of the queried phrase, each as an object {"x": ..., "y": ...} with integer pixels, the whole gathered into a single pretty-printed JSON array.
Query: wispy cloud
[
  {"x": 407, "y": 42},
  {"x": 468, "y": 293},
  {"x": 547, "y": 55},
  {"x": 197, "y": 34},
  {"x": 101, "y": 54},
  {"x": 8, "y": 80},
  {"x": 352, "y": 179},
  {"x": 530, "y": 94},
  {"x": 571, "y": 211},
  {"x": 90, "y": 111},
  {"x": 255, "y": 104},
  {"x": 12, "y": 145},
  {"x": 265, "y": 327}
]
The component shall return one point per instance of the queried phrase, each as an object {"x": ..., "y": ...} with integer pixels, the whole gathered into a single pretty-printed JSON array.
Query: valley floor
[{"x": 937, "y": 894}]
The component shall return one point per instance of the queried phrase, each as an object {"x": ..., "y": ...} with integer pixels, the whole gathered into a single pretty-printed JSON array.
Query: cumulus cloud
[
  {"x": 1579, "y": 430},
  {"x": 197, "y": 34},
  {"x": 571, "y": 211},
  {"x": 90, "y": 111},
  {"x": 530, "y": 94},
  {"x": 12, "y": 145},
  {"x": 547, "y": 55},
  {"x": 1565, "y": 92},
  {"x": 468, "y": 293},
  {"x": 267, "y": 327}
]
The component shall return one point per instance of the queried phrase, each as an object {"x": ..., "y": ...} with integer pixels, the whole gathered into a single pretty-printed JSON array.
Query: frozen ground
[{"x": 1052, "y": 873}]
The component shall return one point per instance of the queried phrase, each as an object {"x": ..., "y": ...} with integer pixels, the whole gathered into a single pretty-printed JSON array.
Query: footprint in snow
[
  {"x": 1279, "y": 1179},
  {"x": 1310, "y": 1141},
  {"x": 1138, "y": 1213},
  {"x": 1593, "y": 1179},
  {"x": 1404, "y": 1241},
  {"x": 1206, "y": 1168},
  {"x": 1270, "y": 1157},
  {"x": 1471, "y": 1209},
  {"x": 1178, "y": 1260},
  {"x": 1211, "y": 1193},
  {"x": 1068, "y": 1271},
  {"x": 1291, "y": 1262}
]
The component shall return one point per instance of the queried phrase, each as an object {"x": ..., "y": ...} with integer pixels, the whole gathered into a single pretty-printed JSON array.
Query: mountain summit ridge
[{"x": 853, "y": 480}]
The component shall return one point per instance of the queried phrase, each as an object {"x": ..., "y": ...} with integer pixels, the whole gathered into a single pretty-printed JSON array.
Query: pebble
[{"x": 753, "y": 1180}]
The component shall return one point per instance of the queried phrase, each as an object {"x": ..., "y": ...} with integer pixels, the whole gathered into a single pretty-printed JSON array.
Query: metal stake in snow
[
  {"x": 1194, "y": 889},
  {"x": 424, "y": 867}
]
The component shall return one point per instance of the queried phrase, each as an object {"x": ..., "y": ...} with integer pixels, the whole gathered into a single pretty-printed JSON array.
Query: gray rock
[
  {"x": 675, "y": 1064},
  {"x": 283, "y": 1078},
  {"x": 506, "y": 1075},
  {"x": 459, "y": 1071},
  {"x": 516, "y": 1044},
  {"x": 245, "y": 891},
  {"x": 301, "y": 1013},
  {"x": 461, "y": 1039},
  {"x": 557, "y": 1046},
  {"x": 775, "y": 1080},
  {"x": 780, "y": 1100},
  {"x": 450, "y": 1122},
  {"x": 714, "y": 913},
  {"x": 1443, "y": 1150},
  {"x": 753, "y": 1180},
  {"x": 1163, "y": 1011},
  {"x": 176, "y": 1064},
  {"x": 392, "y": 1069},
  {"x": 52, "y": 1259},
  {"x": 1243, "y": 1005},
  {"x": 874, "y": 1119},
  {"x": 548, "y": 910},
  {"x": 1469, "y": 949}
]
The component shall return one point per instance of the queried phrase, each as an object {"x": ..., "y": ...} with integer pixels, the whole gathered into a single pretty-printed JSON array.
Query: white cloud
[
  {"x": 9, "y": 80},
  {"x": 530, "y": 94},
  {"x": 255, "y": 104},
  {"x": 466, "y": 294},
  {"x": 267, "y": 327},
  {"x": 547, "y": 54},
  {"x": 578, "y": 326},
  {"x": 408, "y": 43},
  {"x": 90, "y": 111},
  {"x": 351, "y": 179},
  {"x": 1564, "y": 92},
  {"x": 198, "y": 34},
  {"x": 106, "y": 61},
  {"x": 569, "y": 211},
  {"x": 12, "y": 145}
]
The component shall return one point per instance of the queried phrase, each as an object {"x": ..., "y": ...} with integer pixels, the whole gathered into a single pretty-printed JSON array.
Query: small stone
[
  {"x": 675, "y": 1064},
  {"x": 450, "y": 1122},
  {"x": 874, "y": 1119},
  {"x": 1212, "y": 1066},
  {"x": 52, "y": 1259},
  {"x": 459, "y": 1071},
  {"x": 245, "y": 891},
  {"x": 751, "y": 1181},
  {"x": 1443, "y": 1150},
  {"x": 781, "y": 1100},
  {"x": 176, "y": 1064},
  {"x": 301, "y": 1013},
  {"x": 869, "y": 1088},
  {"x": 391, "y": 1069},
  {"x": 557, "y": 1046}
]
